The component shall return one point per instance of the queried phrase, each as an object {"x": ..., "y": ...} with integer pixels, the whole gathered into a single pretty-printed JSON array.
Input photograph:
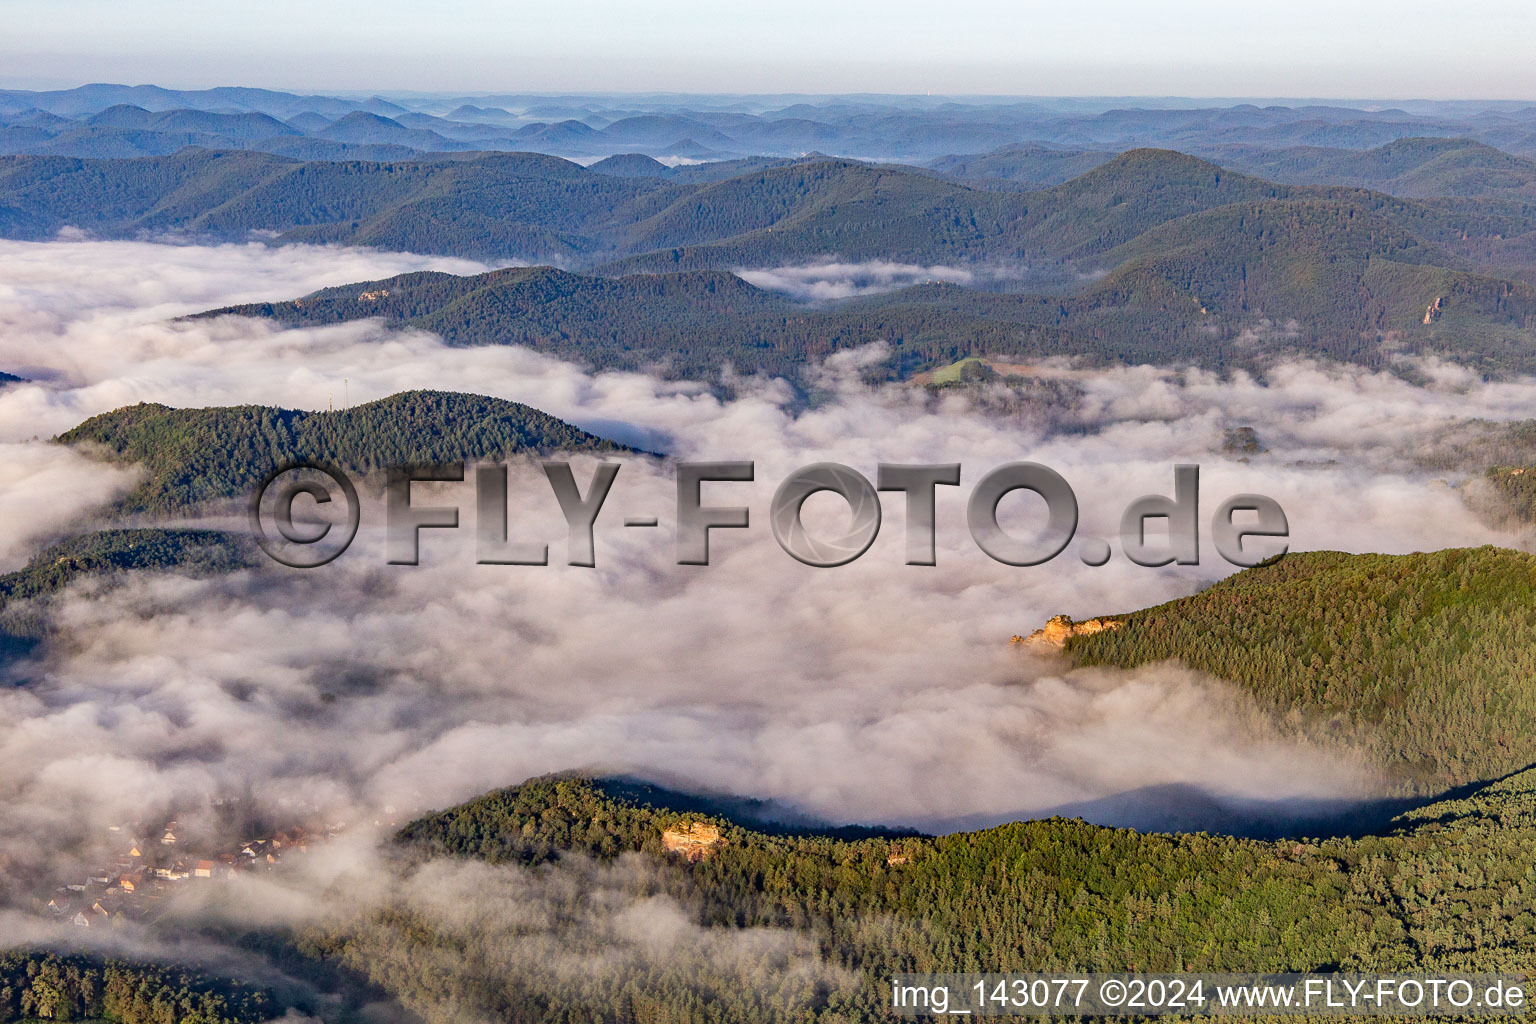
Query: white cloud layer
[
  {"x": 820, "y": 282},
  {"x": 876, "y": 692}
]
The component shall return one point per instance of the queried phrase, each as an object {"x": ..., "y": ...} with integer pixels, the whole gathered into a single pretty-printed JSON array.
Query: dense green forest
[
  {"x": 1190, "y": 301},
  {"x": 1412, "y": 167},
  {"x": 188, "y": 551},
  {"x": 52, "y": 986},
  {"x": 796, "y": 213},
  {"x": 859, "y": 212},
  {"x": 1022, "y": 166},
  {"x": 685, "y": 324},
  {"x": 1450, "y": 885},
  {"x": 108, "y": 554},
  {"x": 516, "y": 205},
  {"x": 691, "y": 325},
  {"x": 1180, "y": 262},
  {"x": 1516, "y": 485},
  {"x": 1426, "y": 661},
  {"x": 1197, "y": 256},
  {"x": 195, "y": 456},
  {"x": 540, "y": 208},
  {"x": 1478, "y": 445}
]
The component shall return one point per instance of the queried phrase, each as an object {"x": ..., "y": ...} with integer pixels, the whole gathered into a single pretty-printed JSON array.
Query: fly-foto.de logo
[{"x": 1245, "y": 528}]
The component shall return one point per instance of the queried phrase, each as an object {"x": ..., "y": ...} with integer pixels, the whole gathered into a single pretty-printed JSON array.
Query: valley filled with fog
[{"x": 874, "y": 693}]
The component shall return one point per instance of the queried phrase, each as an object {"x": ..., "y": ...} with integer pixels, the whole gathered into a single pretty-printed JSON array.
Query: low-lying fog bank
[{"x": 875, "y": 692}]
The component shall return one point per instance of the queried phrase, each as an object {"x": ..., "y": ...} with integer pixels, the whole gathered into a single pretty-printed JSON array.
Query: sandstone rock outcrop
[
  {"x": 1060, "y": 628},
  {"x": 694, "y": 840}
]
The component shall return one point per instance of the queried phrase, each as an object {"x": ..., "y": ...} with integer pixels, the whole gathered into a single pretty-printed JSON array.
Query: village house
[
  {"x": 90, "y": 917},
  {"x": 134, "y": 883}
]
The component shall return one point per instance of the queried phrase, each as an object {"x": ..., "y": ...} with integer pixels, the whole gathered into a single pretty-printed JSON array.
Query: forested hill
[
  {"x": 1152, "y": 256},
  {"x": 541, "y": 307},
  {"x": 1023, "y": 166},
  {"x": 692, "y": 325},
  {"x": 195, "y": 456},
  {"x": 1415, "y": 168},
  {"x": 543, "y": 209},
  {"x": 791, "y": 214},
  {"x": 188, "y": 551},
  {"x": 1361, "y": 278},
  {"x": 510, "y": 205},
  {"x": 1450, "y": 886},
  {"x": 1515, "y": 488},
  {"x": 107, "y": 556},
  {"x": 497, "y": 206},
  {"x": 1427, "y": 661},
  {"x": 1412, "y": 167}
]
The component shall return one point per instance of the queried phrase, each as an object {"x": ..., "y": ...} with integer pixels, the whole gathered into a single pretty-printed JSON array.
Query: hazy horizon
[
  {"x": 1193, "y": 48},
  {"x": 1152, "y": 100}
]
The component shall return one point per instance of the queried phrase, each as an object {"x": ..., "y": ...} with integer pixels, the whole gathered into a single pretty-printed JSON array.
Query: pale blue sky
[{"x": 1399, "y": 49}]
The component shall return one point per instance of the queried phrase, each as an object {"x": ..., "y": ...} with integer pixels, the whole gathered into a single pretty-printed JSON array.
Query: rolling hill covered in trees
[
  {"x": 1412, "y": 168},
  {"x": 193, "y": 457},
  {"x": 1447, "y": 886},
  {"x": 109, "y": 556},
  {"x": 1516, "y": 486},
  {"x": 125, "y": 549},
  {"x": 691, "y": 322},
  {"x": 1427, "y": 661},
  {"x": 543, "y": 209},
  {"x": 1187, "y": 262}
]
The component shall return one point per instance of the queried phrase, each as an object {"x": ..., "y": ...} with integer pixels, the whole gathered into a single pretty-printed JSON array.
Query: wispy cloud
[{"x": 821, "y": 282}]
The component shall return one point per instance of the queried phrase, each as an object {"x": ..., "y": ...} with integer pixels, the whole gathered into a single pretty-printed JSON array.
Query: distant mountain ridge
[
  {"x": 1411, "y": 168},
  {"x": 1152, "y": 255},
  {"x": 904, "y": 129},
  {"x": 1021, "y": 165}
]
